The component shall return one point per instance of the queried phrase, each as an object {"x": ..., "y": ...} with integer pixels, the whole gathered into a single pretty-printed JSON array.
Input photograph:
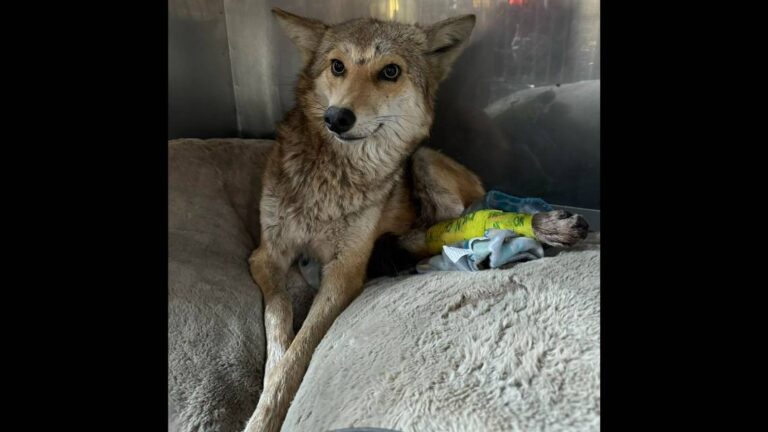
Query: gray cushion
[
  {"x": 215, "y": 326},
  {"x": 215, "y": 330}
]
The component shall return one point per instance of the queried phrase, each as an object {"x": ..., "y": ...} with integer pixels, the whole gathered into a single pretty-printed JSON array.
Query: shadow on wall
[{"x": 542, "y": 141}]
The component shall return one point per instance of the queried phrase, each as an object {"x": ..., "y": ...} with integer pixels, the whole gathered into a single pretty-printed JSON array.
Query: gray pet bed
[{"x": 499, "y": 350}]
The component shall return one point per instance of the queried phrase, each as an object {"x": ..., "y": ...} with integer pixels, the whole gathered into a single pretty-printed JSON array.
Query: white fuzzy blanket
[{"x": 497, "y": 350}]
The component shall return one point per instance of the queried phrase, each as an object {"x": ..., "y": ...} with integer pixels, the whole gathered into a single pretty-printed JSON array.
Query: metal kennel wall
[{"x": 521, "y": 107}]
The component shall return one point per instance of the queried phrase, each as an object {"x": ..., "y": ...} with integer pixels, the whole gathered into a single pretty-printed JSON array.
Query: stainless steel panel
[
  {"x": 254, "y": 66},
  {"x": 201, "y": 101}
]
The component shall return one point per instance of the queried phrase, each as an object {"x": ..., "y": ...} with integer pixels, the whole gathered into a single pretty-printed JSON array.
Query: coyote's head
[{"x": 373, "y": 83}]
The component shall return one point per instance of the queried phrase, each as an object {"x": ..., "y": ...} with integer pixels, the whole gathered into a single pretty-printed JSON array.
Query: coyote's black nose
[{"x": 338, "y": 119}]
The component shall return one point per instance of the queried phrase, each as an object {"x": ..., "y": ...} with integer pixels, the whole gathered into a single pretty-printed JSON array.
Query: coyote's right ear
[
  {"x": 304, "y": 32},
  {"x": 445, "y": 41}
]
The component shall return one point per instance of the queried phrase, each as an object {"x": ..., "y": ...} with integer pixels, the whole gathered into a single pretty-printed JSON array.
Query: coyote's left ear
[
  {"x": 304, "y": 32},
  {"x": 445, "y": 41}
]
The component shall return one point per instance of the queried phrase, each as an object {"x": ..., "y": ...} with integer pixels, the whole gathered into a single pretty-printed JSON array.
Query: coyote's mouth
[{"x": 346, "y": 138}]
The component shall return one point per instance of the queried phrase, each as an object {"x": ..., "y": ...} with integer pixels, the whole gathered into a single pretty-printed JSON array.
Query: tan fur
[{"x": 331, "y": 197}]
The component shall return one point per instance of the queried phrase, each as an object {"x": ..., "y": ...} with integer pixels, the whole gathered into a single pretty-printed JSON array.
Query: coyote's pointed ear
[
  {"x": 445, "y": 41},
  {"x": 304, "y": 32}
]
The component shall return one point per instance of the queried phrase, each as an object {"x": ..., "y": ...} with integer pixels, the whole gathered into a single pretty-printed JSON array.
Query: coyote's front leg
[{"x": 343, "y": 278}]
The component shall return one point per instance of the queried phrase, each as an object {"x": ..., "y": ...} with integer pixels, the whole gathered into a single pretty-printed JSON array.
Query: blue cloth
[
  {"x": 497, "y": 247},
  {"x": 500, "y": 201}
]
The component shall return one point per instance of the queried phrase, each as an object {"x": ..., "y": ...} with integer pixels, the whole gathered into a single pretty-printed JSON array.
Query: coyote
[{"x": 347, "y": 168}]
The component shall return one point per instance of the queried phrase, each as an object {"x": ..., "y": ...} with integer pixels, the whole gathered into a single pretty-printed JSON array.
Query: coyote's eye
[
  {"x": 390, "y": 72},
  {"x": 337, "y": 67}
]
